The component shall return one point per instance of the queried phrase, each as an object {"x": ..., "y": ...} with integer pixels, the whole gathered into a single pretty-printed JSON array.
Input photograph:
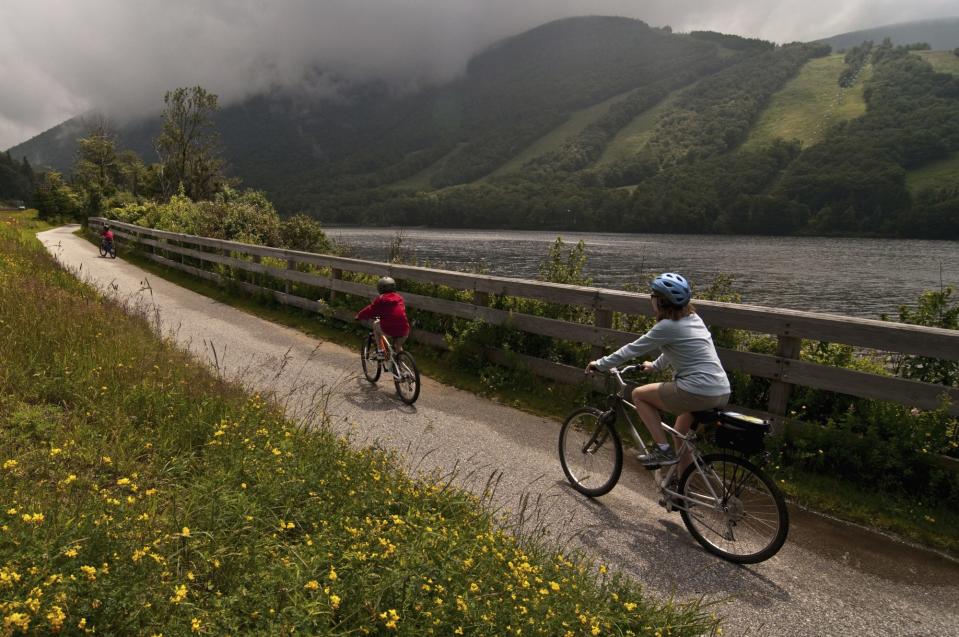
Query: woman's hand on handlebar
[
  {"x": 646, "y": 367},
  {"x": 592, "y": 367}
]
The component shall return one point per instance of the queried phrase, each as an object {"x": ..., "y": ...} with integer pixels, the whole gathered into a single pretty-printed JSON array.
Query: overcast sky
[{"x": 59, "y": 58}]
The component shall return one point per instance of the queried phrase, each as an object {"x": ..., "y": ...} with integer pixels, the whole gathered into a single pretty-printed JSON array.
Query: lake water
[{"x": 857, "y": 277}]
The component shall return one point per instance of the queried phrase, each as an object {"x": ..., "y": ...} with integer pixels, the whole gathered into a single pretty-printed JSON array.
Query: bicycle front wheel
[
  {"x": 591, "y": 452},
  {"x": 406, "y": 377},
  {"x": 734, "y": 510},
  {"x": 103, "y": 250},
  {"x": 371, "y": 364}
]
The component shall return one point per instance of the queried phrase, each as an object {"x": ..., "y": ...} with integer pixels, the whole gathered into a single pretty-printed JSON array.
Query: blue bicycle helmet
[{"x": 672, "y": 287}]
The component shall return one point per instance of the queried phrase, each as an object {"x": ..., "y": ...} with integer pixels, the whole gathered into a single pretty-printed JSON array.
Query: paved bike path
[{"x": 829, "y": 579}]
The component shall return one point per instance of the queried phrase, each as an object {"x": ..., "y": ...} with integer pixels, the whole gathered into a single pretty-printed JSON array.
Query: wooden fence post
[
  {"x": 780, "y": 388},
  {"x": 290, "y": 265},
  {"x": 480, "y": 298},
  {"x": 337, "y": 274},
  {"x": 604, "y": 319}
]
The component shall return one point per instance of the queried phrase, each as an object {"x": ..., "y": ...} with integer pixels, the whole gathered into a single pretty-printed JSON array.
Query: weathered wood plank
[{"x": 873, "y": 386}]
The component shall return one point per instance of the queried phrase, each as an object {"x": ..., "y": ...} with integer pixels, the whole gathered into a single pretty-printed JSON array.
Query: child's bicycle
[
  {"x": 377, "y": 356},
  {"x": 108, "y": 248},
  {"x": 729, "y": 505}
]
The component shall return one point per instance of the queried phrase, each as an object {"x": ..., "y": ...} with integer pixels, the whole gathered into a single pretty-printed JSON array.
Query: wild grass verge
[{"x": 143, "y": 495}]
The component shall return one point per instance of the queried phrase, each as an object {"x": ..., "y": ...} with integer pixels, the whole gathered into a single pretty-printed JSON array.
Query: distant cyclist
[
  {"x": 390, "y": 308},
  {"x": 699, "y": 381},
  {"x": 106, "y": 238}
]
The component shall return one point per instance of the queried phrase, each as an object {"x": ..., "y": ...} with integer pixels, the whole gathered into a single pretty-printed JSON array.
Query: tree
[
  {"x": 95, "y": 169},
  {"x": 55, "y": 199},
  {"x": 133, "y": 174},
  {"x": 188, "y": 144}
]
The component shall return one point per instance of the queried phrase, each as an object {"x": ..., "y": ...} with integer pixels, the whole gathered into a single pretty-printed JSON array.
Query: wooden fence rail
[{"x": 784, "y": 369}]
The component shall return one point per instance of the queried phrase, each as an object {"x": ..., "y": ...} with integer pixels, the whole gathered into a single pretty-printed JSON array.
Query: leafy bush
[{"x": 246, "y": 216}]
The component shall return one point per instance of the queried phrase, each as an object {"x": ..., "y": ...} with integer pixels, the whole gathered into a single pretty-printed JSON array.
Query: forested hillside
[
  {"x": 608, "y": 124},
  {"x": 17, "y": 180}
]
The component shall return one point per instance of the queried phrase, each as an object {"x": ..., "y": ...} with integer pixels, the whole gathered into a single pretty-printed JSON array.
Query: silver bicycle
[{"x": 728, "y": 504}]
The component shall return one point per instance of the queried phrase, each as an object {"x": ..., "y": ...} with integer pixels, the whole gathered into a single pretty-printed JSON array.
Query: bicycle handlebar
[{"x": 618, "y": 373}]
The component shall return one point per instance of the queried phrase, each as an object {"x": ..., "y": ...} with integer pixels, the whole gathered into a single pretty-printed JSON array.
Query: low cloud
[{"x": 59, "y": 58}]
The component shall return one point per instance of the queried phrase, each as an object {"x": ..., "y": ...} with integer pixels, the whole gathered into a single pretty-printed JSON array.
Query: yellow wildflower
[
  {"x": 390, "y": 618},
  {"x": 16, "y": 620},
  {"x": 10, "y": 464},
  {"x": 36, "y": 518},
  {"x": 185, "y": 532},
  {"x": 630, "y": 606},
  {"x": 89, "y": 571},
  {"x": 335, "y": 601},
  {"x": 195, "y": 624},
  {"x": 71, "y": 552},
  {"x": 312, "y": 585},
  {"x": 332, "y": 575},
  {"x": 55, "y": 451},
  {"x": 56, "y": 617},
  {"x": 179, "y": 594}
]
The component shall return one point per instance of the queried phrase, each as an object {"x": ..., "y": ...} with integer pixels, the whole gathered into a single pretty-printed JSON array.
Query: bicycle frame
[
  {"x": 620, "y": 405},
  {"x": 383, "y": 341}
]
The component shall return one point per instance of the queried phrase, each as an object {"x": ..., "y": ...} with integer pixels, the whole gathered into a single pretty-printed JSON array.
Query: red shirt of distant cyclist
[
  {"x": 392, "y": 312},
  {"x": 107, "y": 234}
]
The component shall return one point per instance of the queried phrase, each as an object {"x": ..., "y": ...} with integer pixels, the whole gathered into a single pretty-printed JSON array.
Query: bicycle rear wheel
[
  {"x": 749, "y": 521},
  {"x": 372, "y": 366},
  {"x": 406, "y": 378},
  {"x": 103, "y": 250},
  {"x": 591, "y": 452}
]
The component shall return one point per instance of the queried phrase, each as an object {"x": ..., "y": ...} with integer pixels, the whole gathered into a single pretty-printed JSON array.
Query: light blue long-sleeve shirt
[{"x": 687, "y": 347}]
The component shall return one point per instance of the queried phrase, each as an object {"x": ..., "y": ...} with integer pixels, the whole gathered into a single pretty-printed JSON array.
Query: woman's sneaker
[{"x": 658, "y": 458}]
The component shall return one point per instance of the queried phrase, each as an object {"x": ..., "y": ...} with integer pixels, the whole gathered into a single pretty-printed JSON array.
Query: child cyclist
[
  {"x": 699, "y": 381},
  {"x": 391, "y": 310},
  {"x": 106, "y": 236}
]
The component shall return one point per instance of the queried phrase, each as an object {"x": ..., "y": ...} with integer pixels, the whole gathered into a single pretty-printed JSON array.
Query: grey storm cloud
[{"x": 59, "y": 58}]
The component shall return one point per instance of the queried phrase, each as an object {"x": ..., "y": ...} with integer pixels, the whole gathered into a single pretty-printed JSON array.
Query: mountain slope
[
  {"x": 940, "y": 34},
  {"x": 811, "y": 103}
]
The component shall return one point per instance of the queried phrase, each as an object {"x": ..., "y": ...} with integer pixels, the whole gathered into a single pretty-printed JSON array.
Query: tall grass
[{"x": 143, "y": 495}]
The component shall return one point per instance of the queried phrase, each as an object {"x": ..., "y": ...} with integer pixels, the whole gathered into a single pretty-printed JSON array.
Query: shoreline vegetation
[{"x": 144, "y": 495}]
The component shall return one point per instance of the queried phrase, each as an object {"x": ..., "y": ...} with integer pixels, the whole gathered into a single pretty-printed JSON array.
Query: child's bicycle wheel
[
  {"x": 372, "y": 366},
  {"x": 406, "y": 377},
  {"x": 110, "y": 251}
]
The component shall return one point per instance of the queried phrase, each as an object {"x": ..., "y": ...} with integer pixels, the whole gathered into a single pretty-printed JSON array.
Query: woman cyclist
[{"x": 699, "y": 381}]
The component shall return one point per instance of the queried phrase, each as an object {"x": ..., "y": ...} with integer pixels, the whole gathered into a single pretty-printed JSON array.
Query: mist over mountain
[{"x": 940, "y": 34}]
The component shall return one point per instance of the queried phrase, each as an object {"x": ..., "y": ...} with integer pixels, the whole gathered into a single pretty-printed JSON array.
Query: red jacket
[{"x": 392, "y": 312}]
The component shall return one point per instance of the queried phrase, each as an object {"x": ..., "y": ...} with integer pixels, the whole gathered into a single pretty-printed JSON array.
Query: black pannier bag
[{"x": 741, "y": 433}]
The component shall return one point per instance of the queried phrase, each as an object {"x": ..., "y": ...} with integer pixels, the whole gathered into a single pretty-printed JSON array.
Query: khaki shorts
[{"x": 678, "y": 401}]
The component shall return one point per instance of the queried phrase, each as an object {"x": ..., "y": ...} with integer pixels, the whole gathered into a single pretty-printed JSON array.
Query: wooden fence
[{"x": 200, "y": 255}]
